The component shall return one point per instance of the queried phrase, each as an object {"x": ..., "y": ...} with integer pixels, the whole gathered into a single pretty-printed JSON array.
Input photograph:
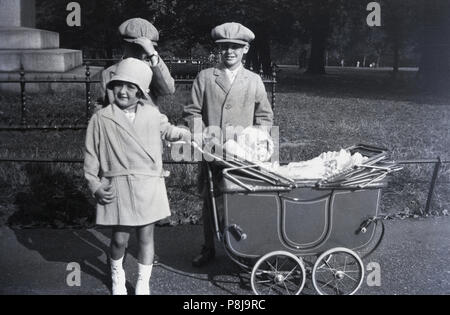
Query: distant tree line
[{"x": 314, "y": 32}]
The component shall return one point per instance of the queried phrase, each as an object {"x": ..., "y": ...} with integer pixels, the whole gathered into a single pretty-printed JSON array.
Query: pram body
[
  {"x": 281, "y": 223},
  {"x": 303, "y": 221}
]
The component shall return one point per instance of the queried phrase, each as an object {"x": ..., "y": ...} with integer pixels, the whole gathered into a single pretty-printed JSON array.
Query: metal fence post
[
  {"x": 274, "y": 83},
  {"x": 199, "y": 66},
  {"x": 88, "y": 93},
  {"x": 23, "y": 97},
  {"x": 169, "y": 65},
  {"x": 437, "y": 166}
]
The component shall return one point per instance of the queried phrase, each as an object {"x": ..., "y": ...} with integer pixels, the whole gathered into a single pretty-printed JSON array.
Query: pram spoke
[
  {"x": 346, "y": 275},
  {"x": 345, "y": 263},
  {"x": 290, "y": 272},
  {"x": 326, "y": 284},
  {"x": 337, "y": 288},
  {"x": 287, "y": 290},
  {"x": 263, "y": 281},
  {"x": 274, "y": 269}
]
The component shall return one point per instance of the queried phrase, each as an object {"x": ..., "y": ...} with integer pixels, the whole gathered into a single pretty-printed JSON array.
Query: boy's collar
[
  {"x": 235, "y": 70},
  {"x": 219, "y": 71},
  {"x": 221, "y": 68}
]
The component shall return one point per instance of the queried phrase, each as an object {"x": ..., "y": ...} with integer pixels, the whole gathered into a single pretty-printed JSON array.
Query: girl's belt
[{"x": 133, "y": 172}]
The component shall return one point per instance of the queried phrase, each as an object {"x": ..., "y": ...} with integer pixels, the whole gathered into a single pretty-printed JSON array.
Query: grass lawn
[{"x": 314, "y": 114}]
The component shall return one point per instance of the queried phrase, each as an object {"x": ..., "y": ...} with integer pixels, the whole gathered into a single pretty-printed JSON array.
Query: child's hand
[
  {"x": 146, "y": 44},
  {"x": 185, "y": 135},
  {"x": 105, "y": 194}
]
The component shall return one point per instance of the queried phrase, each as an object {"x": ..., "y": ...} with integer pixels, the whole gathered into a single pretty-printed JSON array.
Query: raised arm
[{"x": 162, "y": 82}]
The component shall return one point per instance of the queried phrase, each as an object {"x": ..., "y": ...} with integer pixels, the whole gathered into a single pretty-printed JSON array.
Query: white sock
[
  {"x": 117, "y": 264},
  {"x": 118, "y": 277},
  {"x": 143, "y": 282}
]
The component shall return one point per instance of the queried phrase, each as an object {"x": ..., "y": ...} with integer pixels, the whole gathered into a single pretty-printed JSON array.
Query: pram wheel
[
  {"x": 338, "y": 271},
  {"x": 278, "y": 273}
]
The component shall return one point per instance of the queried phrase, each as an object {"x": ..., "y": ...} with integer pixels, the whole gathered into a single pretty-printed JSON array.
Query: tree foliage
[
  {"x": 435, "y": 45},
  {"x": 100, "y": 20},
  {"x": 333, "y": 30}
]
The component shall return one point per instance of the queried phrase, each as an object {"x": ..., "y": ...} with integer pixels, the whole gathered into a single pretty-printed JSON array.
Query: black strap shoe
[{"x": 207, "y": 254}]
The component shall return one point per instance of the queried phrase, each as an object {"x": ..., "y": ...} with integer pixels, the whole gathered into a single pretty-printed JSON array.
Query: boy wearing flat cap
[
  {"x": 139, "y": 40},
  {"x": 227, "y": 95}
]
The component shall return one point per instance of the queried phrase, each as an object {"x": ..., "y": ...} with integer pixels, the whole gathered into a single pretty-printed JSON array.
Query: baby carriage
[{"x": 282, "y": 230}]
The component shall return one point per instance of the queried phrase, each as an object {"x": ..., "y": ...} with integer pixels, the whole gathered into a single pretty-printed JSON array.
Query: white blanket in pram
[{"x": 325, "y": 165}]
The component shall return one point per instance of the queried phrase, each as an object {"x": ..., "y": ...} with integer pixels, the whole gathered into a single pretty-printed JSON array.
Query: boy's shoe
[
  {"x": 207, "y": 254},
  {"x": 118, "y": 282}
]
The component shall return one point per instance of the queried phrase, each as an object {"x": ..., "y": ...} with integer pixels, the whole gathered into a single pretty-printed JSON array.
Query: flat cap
[
  {"x": 132, "y": 29},
  {"x": 232, "y": 33}
]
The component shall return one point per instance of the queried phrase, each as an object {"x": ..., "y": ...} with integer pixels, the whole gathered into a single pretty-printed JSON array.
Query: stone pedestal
[
  {"x": 27, "y": 38},
  {"x": 35, "y": 51},
  {"x": 40, "y": 60},
  {"x": 18, "y": 13}
]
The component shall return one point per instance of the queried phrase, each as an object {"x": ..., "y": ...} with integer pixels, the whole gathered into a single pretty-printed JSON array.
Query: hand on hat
[{"x": 146, "y": 44}]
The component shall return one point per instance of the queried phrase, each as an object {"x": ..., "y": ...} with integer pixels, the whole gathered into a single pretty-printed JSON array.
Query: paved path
[{"x": 414, "y": 259}]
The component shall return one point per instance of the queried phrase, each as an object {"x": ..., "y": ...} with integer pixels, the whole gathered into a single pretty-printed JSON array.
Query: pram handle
[
  {"x": 253, "y": 170},
  {"x": 368, "y": 147},
  {"x": 227, "y": 175}
]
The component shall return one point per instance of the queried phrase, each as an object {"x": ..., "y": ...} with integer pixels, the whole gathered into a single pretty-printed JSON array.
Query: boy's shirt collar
[
  {"x": 233, "y": 73},
  {"x": 222, "y": 78}
]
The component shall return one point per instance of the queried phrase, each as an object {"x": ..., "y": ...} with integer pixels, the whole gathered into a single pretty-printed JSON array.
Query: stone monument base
[
  {"x": 40, "y": 60},
  {"x": 27, "y": 38}
]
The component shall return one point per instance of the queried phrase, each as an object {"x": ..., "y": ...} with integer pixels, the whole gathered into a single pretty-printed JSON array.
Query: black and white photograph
[{"x": 224, "y": 151}]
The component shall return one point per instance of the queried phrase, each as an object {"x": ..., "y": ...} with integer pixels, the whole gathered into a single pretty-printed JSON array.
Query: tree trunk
[
  {"x": 259, "y": 55},
  {"x": 435, "y": 60},
  {"x": 266, "y": 60},
  {"x": 319, "y": 34},
  {"x": 396, "y": 51},
  {"x": 252, "y": 58}
]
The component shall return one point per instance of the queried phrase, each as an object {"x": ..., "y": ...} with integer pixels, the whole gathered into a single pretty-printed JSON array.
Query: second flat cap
[
  {"x": 132, "y": 29},
  {"x": 232, "y": 33}
]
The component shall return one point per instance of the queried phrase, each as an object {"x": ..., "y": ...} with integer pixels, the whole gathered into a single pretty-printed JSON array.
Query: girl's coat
[{"x": 129, "y": 156}]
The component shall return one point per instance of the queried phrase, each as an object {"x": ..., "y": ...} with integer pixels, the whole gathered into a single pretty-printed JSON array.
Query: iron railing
[{"x": 81, "y": 122}]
